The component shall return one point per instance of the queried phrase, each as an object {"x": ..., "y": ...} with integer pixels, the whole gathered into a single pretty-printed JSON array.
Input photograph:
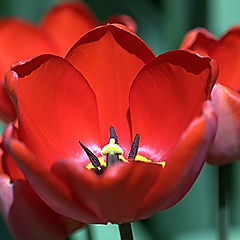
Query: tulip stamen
[
  {"x": 93, "y": 158},
  {"x": 134, "y": 148},
  {"x": 113, "y": 134}
]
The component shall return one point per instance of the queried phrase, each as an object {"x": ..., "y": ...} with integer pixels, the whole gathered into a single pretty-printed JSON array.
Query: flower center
[{"x": 114, "y": 154}]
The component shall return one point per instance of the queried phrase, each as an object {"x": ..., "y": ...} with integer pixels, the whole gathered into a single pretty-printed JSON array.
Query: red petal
[
  {"x": 127, "y": 192},
  {"x": 225, "y": 50},
  {"x": 23, "y": 208},
  {"x": 1, "y": 167},
  {"x": 199, "y": 39},
  {"x": 11, "y": 86},
  {"x": 166, "y": 96},
  {"x": 116, "y": 195},
  {"x": 9, "y": 166},
  {"x": 56, "y": 109},
  {"x": 183, "y": 166},
  {"x": 109, "y": 57},
  {"x": 125, "y": 20},
  {"x": 7, "y": 110},
  {"x": 18, "y": 40},
  {"x": 67, "y": 22},
  {"x": 52, "y": 190},
  {"x": 227, "y": 54},
  {"x": 226, "y": 146}
]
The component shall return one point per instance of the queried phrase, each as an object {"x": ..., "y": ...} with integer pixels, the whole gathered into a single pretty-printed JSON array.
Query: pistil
[{"x": 112, "y": 152}]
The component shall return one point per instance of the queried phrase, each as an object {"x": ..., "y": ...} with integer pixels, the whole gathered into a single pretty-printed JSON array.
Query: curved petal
[
  {"x": 165, "y": 97},
  {"x": 128, "y": 192},
  {"x": 183, "y": 165},
  {"x": 199, "y": 39},
  {"x": 109, "y": 57},
  {"x": 22, "y": 207},
  {"x": 18, "y": 40},
  {"x": 114, "y": 196},
  {"x": 8, "y": 165},
  {"x": 7, "y": 110},
  {"x": 56, "y": 108},
  {"x": 227, "y": 54},
  {"x": 51, "y": 189},
  {"x": 1, "y": 167},
  {"x": 226, "y": 146},
  {"x": 84, "y": 196},
  {"x": 67, "y": 22},
  {"x": 123, "y": 19},
  {"x": 225, "y": 50}
]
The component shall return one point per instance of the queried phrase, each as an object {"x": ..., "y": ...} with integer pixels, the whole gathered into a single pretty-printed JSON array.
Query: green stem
[
  {"x": 222, "y": 207},
  {"x": 125, "y": 231},
  {"x": 89, "y": 233}
]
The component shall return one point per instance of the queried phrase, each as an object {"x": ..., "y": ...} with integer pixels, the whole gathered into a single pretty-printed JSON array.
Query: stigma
[
  {"x": 112, "y": 151},
  {"x": 112, "y": 148}
]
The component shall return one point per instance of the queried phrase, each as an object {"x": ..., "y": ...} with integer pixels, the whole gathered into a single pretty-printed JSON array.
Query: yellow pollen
[
  {"x": 121, "y": 157},
  {"x": 143, "y": 159},
  {"x": 101, "y": 160},
  {"x": 112, "y": 148}
]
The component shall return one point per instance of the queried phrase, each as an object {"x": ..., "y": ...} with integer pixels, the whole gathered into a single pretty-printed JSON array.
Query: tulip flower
[
  {"x": 225, "y": 95},
  {"x": 60, "y": 29},
  {"x": 161, "y": 126},
  {"x": 22, "y": 207}
]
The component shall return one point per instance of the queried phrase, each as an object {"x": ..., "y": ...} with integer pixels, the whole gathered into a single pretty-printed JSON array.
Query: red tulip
[
  {"x": 111, "y": 78},
  {"x": 21, "y": 206},
  {"x": 225, "y": 95},
  {"x": 59, "y": 30}
]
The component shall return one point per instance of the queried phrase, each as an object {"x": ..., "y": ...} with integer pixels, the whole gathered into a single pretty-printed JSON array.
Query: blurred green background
[{"x": 162, "y": 24}]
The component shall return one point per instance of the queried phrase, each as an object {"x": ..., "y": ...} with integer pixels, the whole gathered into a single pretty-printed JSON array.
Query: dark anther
[
  {"x": 134, "y": 148},
  {"x": 94, "y": 160},
  {"x": 113, "y": 134}
]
